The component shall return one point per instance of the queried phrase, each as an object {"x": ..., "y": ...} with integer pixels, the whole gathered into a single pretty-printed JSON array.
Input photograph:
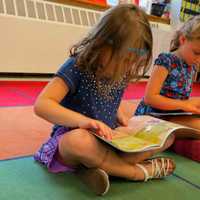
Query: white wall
[{"x": 35, "y": 46}]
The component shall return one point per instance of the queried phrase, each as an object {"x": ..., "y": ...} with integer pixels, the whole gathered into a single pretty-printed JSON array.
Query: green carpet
[
  {"x": 186, "y": 168},
  {"x": 24, "y": 179}
]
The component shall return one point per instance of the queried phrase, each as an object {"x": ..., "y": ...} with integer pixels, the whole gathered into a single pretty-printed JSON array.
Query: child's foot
[
  {"x": 155, "y": 168},
  {"x": 96, "y": 179}
]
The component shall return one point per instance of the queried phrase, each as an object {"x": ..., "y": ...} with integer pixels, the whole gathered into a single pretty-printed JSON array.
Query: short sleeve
[
  {"x": 164, "y": 60},
  {"x": 70, "y": 74}
]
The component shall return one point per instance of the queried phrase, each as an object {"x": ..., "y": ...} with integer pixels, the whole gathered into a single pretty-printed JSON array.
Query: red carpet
[
  {"x": 19, "y": 93},
  {"x": 24, "y": 93}
]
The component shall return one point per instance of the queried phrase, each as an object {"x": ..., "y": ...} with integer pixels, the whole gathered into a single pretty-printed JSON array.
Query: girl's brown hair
[
  {"x": 190, "y": 29},
  {"x": 122, "y": 33}
]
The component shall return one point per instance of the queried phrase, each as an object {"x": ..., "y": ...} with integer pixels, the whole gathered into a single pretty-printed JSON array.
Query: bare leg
[
  {"x": 190, "y": 121},
  {"x": 81, "y": 147}
]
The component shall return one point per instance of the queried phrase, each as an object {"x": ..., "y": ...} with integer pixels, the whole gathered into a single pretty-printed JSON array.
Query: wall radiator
[{"x": 36, "y": 35}]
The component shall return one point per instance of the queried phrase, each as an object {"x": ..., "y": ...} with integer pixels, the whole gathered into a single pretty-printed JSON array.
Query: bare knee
[{"x": 77, "y": 143}]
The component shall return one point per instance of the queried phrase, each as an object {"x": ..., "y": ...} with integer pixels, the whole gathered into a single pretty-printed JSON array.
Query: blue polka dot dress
[
  {"x": 98, "y": 100},
  {"x": 178, "y": 84}
]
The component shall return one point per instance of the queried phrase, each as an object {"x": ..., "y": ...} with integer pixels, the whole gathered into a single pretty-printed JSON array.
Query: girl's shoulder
[
  {"x": 168, "y": 56},
  {"x": 168, "y": 60},
  {"x": 70, "y": 61},
  {"x": 69, "y": 65}
]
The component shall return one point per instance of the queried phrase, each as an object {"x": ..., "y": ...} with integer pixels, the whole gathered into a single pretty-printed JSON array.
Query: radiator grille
[{"x": 48, "y": 11}]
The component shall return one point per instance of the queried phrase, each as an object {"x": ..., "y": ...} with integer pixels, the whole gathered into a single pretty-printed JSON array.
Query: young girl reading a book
[
  {"x": 85, "y": 95},
  {"x": 170, "y": 84}
]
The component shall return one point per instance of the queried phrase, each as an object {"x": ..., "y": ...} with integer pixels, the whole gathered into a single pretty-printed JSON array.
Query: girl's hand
[
  {"x": 192, "y": 105},
  {"x": 100, "y": 128}
]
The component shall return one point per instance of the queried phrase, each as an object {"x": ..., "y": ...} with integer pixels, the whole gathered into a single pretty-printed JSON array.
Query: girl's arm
[
  {"x": 48, "y": 107},
  {"x": 152, "y": 93},
  {"x": 122, "y": 116},
  {"x": 125, "y": 111}
]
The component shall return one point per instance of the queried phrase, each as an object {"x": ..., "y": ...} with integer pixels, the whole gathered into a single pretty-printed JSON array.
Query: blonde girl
[{"x": 170, "y": 84}]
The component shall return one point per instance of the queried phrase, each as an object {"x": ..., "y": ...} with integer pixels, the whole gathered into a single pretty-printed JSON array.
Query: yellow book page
[
  {"x": 153, "y": 134},
  {"x": 143, "y": 132},
  {"x": 131, "y": 143}
]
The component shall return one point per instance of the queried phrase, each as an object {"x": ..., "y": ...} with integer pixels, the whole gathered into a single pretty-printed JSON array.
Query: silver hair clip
[
  {"x": 139, "y": 52},
  {"x": 110, "y": 41}
]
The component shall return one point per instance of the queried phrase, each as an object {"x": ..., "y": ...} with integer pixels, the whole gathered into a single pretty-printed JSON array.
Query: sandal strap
[
  {"x": 146, "y": 174},
  {"x": 160, "y": 168}
]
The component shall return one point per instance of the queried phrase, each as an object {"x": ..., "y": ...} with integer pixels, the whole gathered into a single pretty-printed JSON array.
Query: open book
[{"x": 146, "y": 133}]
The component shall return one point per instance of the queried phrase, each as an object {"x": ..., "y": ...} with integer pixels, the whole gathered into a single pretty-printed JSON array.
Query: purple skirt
[{"x": 47, "y": 153}]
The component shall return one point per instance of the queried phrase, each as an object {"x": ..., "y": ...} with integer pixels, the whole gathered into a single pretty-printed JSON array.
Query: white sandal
[{"x": 160, "y": 168}]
